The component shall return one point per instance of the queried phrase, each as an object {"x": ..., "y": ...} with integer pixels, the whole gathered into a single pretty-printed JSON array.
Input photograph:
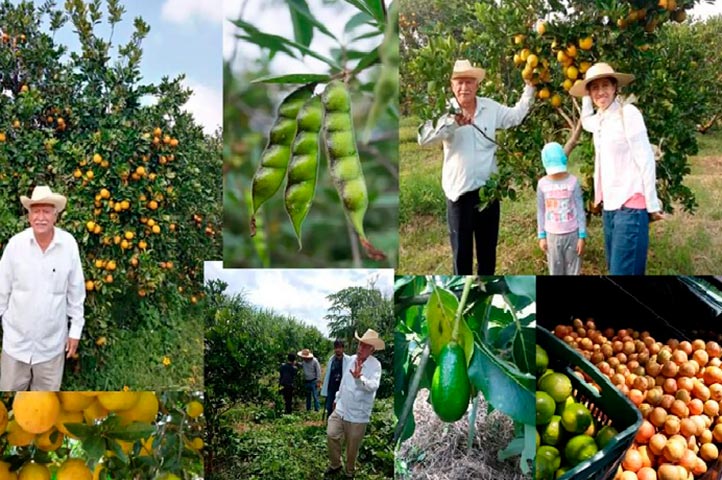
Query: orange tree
[
  {"x": 101, "y": 435},
  {"x": 142, "y": 181},
  {"x": 552, "y": 43}
]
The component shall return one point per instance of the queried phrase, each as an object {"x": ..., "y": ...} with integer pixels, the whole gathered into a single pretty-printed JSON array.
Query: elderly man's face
[
  {"x": 42, "y": 218},
  {"x": 364, "y": 350},
  {"x": 602, "y": 92},
  {"x": 465, "y": 89}
]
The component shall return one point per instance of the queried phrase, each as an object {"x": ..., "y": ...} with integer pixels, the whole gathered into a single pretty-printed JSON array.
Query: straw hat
[
  {"x": 372, "y": 338},
  {"x": 596, "y": 71},
  {"x": 43, "y": 195},
  {"x": 464, "y": 69},
  {"x": 305, "y": 353}
]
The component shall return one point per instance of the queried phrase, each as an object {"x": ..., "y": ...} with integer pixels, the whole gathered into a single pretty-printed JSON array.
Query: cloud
[
  {"x": 206, "y": 105},
  {"x": 188, "y": 11}
]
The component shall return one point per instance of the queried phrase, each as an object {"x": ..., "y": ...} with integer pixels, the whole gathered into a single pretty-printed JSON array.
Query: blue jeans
[
  {"x": 626, "y": 240},
  {"x": 311, "y": 390}
]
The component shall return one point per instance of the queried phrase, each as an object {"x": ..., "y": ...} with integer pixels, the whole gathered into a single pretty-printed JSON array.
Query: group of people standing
[
  {"x": 349, "y": 388},
  {"x": 624, "y": 175}
]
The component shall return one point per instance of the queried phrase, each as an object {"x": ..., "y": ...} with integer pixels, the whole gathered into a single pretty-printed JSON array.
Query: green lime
[
  {"x": 542, "y": 359},
  {"x": 576, "y": 418},
  {"x": 543, "y": 468},
  {"x": 538, "y": 439},
  {"x": 605, "y": 435},
  {"x": 552, "y": 453},
  {"x": 552, "y": 431},
  {"x": 557, "y": 385},
  {"x": 560, "y": 472},
  {"x": 580, "y": 448},
  {"x": 562, "y": 405},
  {"x": 544, "y": 408}
]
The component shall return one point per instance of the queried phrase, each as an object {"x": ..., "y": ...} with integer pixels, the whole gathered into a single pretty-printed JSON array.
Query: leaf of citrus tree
[
  {"x": 503, "y": 388},
  {"x": 300, "y": 8},
  {"x": 134, "y": 431},
  {"x": 94, "y": 447},
  {"x": 80, "y": 430},
  {"x": 522, "y": 285},
  {"x": 294, "y": 78},
  {"x": 117, "y": 450},
  {"x": 302, "y": 28},
  {"x": 440, "y": 310}
]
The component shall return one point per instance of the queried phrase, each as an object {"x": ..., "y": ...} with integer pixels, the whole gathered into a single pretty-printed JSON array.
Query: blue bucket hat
[{"x": 554, "y": 158}]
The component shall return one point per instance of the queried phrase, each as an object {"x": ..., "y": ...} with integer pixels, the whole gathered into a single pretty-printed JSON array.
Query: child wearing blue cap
[{"x": 560, "y": 214}]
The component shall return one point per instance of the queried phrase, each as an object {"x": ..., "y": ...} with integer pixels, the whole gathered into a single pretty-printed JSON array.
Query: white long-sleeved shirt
[
  {"x": 469, "y": 158},
  {"x": 355, "y": 397},
  {"x": 38, "y": 292},
  {"x": 623, "y": 157}
]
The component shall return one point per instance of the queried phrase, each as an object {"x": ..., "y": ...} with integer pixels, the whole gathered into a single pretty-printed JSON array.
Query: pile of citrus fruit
[
  {"x": 40, "y": 420},
  {"x": 567, "y": 434},
  {"x": 677, "y": 386}
]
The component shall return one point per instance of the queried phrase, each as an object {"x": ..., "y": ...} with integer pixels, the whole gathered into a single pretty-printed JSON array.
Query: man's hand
[
  {"x": 333, "y": 407},
  {"x": 528, "y": 83},
  {"x": 71, "y": 347},
  {"x": 318, "y": 385},
  {"x": 356, "y": 371},
  {"x": 543, "y": 244},
  {"x": 580, "y": 247}
]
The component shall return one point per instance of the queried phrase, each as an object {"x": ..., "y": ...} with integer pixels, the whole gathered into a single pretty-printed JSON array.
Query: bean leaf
[{"x": 294, "y": 78}]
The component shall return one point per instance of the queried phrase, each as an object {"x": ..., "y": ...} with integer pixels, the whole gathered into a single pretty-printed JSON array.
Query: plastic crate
[{"x": 610, "y": 407}]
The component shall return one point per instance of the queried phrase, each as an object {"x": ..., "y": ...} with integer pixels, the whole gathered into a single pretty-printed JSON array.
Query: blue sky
[
  {"x": 300, "y": 293},
  {"x": 185, "y": 37}
]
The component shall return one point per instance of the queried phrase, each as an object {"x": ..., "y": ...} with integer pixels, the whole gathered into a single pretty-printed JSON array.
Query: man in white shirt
[
  {"x": 469, "y": 161},
  {"x": 354, "y": 402},
  {"x": 41, "y": 286}
]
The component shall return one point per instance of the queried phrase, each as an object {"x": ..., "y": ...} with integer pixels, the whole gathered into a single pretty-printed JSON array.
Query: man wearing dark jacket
[{"x": 288, "y": 376}]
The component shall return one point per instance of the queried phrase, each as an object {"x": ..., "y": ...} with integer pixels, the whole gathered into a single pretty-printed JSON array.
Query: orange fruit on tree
[
  {"x": 586, "y": 43},
  {"x": 74, "y": 469},
  {"x": 36, "y": 412},
  {"x": 33, "y": 471},
  {"x": 117, "y": 401}
]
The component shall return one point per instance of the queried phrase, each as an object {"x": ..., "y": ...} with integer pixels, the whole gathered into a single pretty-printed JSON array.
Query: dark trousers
[
  {"x": 466, "y": 225},
  {"x": 330, "y": 398},
  {"x": 287, "y": 392}
]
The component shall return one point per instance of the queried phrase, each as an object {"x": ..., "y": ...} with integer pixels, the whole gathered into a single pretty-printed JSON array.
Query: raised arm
[
  {"x": 507, "y": 117},
  {"x": 590, "y": 122}
]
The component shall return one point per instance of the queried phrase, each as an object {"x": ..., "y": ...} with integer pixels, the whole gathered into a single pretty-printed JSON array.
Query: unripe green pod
[
  {"x": 303, "y": 168},
  {"x": 343, "y": 160},
  {"x": 341, "y": 144},
  {"x": 337, "y": 122},
  {"x": 336, "y": 97},
  {"x": 275, "y": 158}
]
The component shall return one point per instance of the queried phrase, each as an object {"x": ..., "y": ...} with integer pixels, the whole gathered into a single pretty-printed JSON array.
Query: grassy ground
[
  {"x": 681, "y": 244},
  {"x": 135, "y": 359},
  {"x": 294, "y": 446}
]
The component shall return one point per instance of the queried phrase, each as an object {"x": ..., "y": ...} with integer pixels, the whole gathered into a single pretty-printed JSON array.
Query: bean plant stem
[{"x": 462, "y": 305}]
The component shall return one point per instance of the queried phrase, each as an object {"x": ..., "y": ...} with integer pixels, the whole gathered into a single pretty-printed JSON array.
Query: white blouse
[{"x": 624, "y": 160}]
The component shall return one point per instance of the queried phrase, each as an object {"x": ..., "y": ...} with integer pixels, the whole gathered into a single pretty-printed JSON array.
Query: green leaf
[
  {"x": 94, "y": 447},
  {"x": 117, "y": 449},
  {"x": 80, "y": 430},
  {"x": 300, "y": 8},
  {"x": 501, "y": 387},
  {"x": 294, "y": 78},
  {"x": 134, "y": 431},
  {"x": 440, "y": 313},
  {"x": 525, "y": 349},
  {"x": 302, "y": 28},
  {"x": 371, "y": 58},
  {"x": 357, "y": 20},
  {"x": 522, "y": 285}
]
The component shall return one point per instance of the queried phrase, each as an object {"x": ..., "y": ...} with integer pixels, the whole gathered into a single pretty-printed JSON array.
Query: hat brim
[
  {"x": 556, "y": 169},
  {"x": 474, "y": 72},
  {"x": 580, "y": 89},
  {"x": 377, "y": 343},
  {"x": 300, "y": 354},
  {"x": 56, "y": 200}
]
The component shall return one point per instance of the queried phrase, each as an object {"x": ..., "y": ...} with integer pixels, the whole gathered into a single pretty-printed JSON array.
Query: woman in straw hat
[{"x": 624, "y": 168}]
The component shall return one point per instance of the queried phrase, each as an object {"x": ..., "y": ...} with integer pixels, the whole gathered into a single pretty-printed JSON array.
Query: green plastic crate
[{"x": 610, "y": 407}]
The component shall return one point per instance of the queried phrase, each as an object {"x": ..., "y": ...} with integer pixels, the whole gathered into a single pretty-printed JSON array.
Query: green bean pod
[
  {"x": 386, "y": 90},
  {"x": 275, "y": 158},
  {"x": 303, "y": 167},
  {"x": 343, "y": 159}
]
